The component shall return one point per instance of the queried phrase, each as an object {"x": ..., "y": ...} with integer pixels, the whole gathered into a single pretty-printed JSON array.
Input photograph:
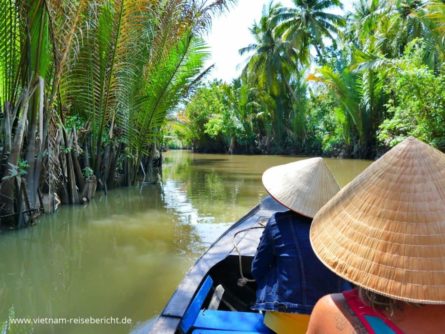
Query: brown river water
[{"x": 119, "y": 258}]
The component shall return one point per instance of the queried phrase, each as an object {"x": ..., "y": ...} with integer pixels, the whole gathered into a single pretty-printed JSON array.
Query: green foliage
[
  {"x": 325, "y": 125},
  {"x": 16, "y": 170},
  {"x": 10, "y": 40},
  {"x": 417, "y": 106},
  {"x": 174, "y": 135},
  {"x": 203, "y": 117},
  {"x": 217, "y": 118},
  {"x": 273, "y": 80},
  {"x": 87, "y": 172},
  {"x": 74, "y": 122},
  {"x": 105, "y": 75},
  {"x": 307, "y": 24},
  {"x": 137, "y": 60},
  {"x": 168, "y": 82},
  {"x": 90, "y": 83},
  {"x": 381, "y": 80}
]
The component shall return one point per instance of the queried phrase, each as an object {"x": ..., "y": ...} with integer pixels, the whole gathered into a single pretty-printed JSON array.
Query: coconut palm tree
[
  {"x": 364, "y": 20},
  {"x": 308, "y": 23},
  {"x": 386, "y": 28},
  {"x": 270, "y": 68},
  {"x": 272, "y": 59}
]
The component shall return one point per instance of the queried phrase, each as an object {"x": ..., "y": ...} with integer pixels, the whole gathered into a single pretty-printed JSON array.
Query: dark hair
[{"x": 382, "y": 303}]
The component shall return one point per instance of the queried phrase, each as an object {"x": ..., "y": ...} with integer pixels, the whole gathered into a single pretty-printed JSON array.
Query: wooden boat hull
[{"x": 225, "y": 261}]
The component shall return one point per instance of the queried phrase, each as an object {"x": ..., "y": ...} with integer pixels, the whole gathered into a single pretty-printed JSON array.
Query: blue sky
[{"x": 230, "y": 32}]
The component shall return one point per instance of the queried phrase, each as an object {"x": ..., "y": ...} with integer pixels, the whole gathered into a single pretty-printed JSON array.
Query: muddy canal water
[{"x": 119, "y": 258}]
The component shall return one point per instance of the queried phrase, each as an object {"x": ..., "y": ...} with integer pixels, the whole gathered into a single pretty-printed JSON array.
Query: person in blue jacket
[{"x": 290, "y": 278}]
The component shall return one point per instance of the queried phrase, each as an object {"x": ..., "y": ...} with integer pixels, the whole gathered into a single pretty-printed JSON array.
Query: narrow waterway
[{"x": 121, "y": 256}]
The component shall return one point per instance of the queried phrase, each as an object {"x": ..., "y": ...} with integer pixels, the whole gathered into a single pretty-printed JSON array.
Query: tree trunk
[
  {"x": 97, "y": 163},
  {"x": 232, "y": 146},
  {"x": 80, "y": 181},
  {"x": 128, "y": 172},
  {"x": 65, "y": 191},
  {"x": 73, "y": 195},
  {"x": 112, "y": 168},
  {"x": 89, "y": 190},
  {"x": 72, "y": 189},
  {"x": 20, "y": 221},
  {"x": 30, "y": 212},
  {"x": 8, "y": 129},
  {"x": 31, "y": 154},
  {"x": 7, "y": 192},
  {"x": 31, "y": 176},
  {"x": 86, "y": 152},
  {"x": 106, "y": 164},
  {"x": 78, "y": 176}
]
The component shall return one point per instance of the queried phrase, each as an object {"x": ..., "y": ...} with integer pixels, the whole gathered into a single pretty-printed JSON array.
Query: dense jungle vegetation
[
  {"x": 85, "y": 87},
  {"x": 317, "y": 82}
]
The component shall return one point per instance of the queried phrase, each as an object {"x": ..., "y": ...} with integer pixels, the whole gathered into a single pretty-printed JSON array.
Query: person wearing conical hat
[
  {"x": 290, "y": 278},
  {"x": 385, "y": 232}
]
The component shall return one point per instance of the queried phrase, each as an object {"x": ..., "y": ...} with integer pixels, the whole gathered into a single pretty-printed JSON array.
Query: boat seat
[
  {"x": 201, "y": 321},
  {"x": 245, "y": 322},
  {"x": 194, "y": 308}
]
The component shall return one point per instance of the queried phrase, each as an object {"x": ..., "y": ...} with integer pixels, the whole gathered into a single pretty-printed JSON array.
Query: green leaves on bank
[
  {"x": 319, "y": 81},
  {"x": 86, "y": 86}
]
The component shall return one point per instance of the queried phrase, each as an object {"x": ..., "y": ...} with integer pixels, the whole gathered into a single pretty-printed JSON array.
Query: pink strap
[{"x": 361, "y": 310}]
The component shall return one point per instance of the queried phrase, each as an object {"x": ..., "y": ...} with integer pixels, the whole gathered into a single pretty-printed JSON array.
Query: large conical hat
[
  {"x": 385, "y": 231},
  {"x": 303, "y": 186}
]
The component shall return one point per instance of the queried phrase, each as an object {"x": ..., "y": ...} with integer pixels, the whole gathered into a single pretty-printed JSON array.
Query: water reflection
[
  {"x": 114, "y": 257},
  {"x": 123, "y": 255}
]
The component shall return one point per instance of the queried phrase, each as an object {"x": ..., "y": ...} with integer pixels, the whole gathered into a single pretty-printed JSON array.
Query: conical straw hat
[
  {"x": 303, "y": 186},
  {"x": 385, "y": 231}
]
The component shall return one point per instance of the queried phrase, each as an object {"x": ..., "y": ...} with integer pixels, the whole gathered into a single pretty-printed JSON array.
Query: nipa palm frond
[
  {"x": 11, "y": 38},
  {"x": 168, "y": 82}
]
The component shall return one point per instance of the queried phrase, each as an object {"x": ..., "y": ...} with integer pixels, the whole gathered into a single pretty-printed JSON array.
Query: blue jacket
[{"x": 289, "y": 276}]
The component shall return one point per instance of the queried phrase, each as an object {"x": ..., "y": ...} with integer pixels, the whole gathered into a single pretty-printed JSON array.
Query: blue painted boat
[{"x": 216, "y": 294}]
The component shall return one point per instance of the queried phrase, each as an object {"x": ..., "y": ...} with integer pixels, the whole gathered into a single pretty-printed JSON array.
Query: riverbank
[{"x": 152, "y": 175}]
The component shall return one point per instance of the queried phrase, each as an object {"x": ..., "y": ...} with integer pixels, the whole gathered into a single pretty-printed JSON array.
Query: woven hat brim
[
  {"x": 385, "y": 231},
  {"x": 303, "y": 186}
]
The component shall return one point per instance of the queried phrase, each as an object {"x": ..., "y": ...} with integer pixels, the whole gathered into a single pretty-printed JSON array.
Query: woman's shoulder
[
  {"x": 325, "y": 316},
  {"x": 331, "y": 315}
]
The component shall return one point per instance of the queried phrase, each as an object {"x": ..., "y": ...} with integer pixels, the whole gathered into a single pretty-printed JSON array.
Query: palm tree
[
  {"x": 350, "y": 90},
  {"x": 25, "y": 62},
  {"x": 91, "y": 80},
  {"x": 270, "y": 68},
  {"x": 386, "y": 28},
  {"x": 412, "y": 22},
  {"x": 363, "y": 22},
  {"x": 436, "y": 12},
  {"x": 137, "y": 60},
  {"x": 308, "y": 24},
  {"x": 271, "y": 59}
]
